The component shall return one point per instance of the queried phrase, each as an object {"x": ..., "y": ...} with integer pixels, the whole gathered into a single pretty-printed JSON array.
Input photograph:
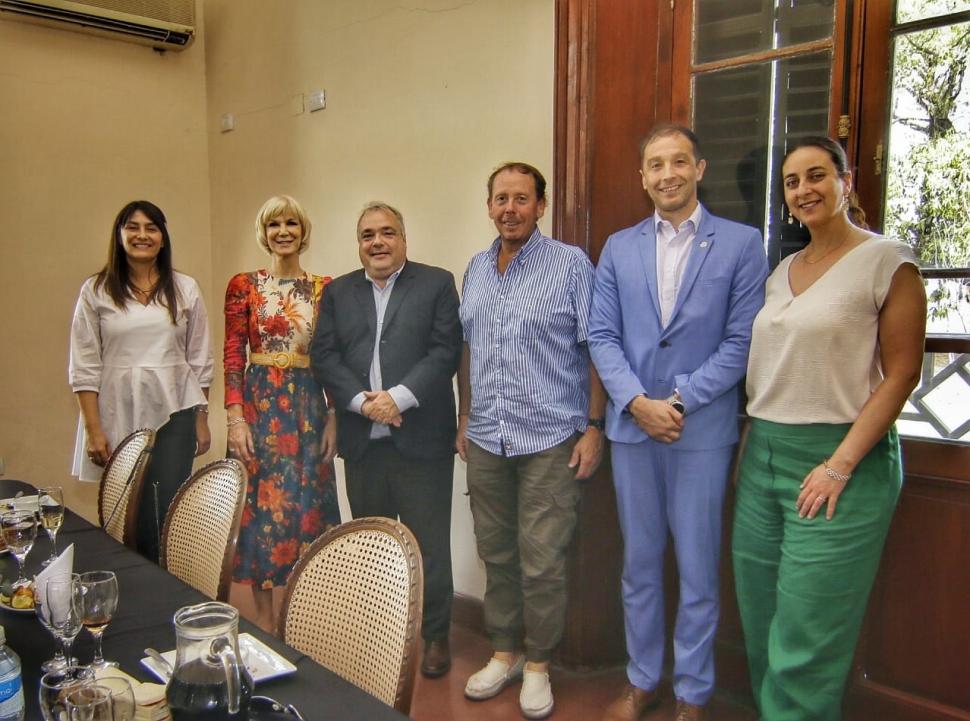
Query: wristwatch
[
  {"x": 597, "y": 423},
  {"x": 677, "y": 404}
]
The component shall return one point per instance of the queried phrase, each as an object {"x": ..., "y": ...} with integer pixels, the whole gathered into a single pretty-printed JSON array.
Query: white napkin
[{"x": 60, "y": 567}]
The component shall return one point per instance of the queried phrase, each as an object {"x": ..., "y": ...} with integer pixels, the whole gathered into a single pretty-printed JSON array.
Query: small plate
[
  {"x": 262, "y": 661},
  {"x": 19, "y": 503},
  {"x": 7, "y": 607}
]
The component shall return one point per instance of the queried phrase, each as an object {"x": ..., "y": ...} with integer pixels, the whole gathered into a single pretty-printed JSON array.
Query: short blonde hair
[{"x": 275, "y": 207}]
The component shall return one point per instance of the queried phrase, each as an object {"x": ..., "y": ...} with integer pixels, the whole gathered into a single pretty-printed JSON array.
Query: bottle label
[{"x": 11, "y": 696}]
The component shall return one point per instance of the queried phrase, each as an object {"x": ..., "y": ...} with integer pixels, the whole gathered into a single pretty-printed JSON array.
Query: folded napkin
[
  {"x": 60, "y": 567},
  {"x": 150, "y": 704}
]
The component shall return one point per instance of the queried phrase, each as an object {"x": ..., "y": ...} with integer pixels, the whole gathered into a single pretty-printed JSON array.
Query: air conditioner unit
[{"x": 162, "y": 24}]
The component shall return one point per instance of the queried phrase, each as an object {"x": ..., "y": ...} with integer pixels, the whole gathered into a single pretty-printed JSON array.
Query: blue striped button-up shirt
[{"x": 526, "y": 329}]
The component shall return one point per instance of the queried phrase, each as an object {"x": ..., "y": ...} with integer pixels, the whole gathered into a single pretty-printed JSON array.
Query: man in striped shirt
[{"x": 530, "y": 427}]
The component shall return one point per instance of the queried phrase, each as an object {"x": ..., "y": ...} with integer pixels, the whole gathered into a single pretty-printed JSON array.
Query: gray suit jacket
[{"x": 420, "y": 348}]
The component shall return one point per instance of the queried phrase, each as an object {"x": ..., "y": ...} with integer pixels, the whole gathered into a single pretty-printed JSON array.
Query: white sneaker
[
  {"x": 493, "y": 678},
  {"x": 535, "y": 698}
]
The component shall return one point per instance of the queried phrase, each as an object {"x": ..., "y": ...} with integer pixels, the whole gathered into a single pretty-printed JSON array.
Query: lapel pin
[{"x": 703, "y": 243}]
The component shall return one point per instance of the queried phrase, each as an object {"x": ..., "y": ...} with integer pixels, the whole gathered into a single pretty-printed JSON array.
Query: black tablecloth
[{"x": 149, "y": 597}]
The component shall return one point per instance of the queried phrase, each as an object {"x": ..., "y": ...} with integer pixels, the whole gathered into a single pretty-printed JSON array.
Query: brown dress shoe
[
  {"x": 689, "y": 712},
  {"x": 437, "y": 658},
  {"x": 632, "y": 704}
]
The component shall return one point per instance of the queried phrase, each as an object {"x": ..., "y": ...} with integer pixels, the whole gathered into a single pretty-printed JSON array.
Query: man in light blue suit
[{"x": 669, "y": 330}]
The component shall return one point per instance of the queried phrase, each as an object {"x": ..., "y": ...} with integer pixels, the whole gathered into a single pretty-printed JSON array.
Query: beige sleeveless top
[{"x": 815, "y": 357}]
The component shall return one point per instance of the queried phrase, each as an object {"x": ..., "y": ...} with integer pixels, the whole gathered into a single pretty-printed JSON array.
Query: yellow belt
[{"x": 282, "y": 359}]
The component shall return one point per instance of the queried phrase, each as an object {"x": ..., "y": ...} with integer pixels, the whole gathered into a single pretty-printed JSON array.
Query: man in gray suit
[{"x": 387, "y": 343}]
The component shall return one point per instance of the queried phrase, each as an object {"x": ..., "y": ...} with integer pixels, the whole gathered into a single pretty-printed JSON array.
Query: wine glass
[
  {"x": 50, "y": 500},
  {"x": 122, "y": 697},
  {"x": 58, "y": 605},
  {"x": 99, "y": 599},
  {"x": 55, "y": 686},
  {"x": 19, "y": 529},
  {"x": 89, "y": 702}
]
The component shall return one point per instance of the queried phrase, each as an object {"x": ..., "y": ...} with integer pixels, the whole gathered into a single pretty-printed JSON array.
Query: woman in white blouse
[
  {"x": 140, "y": 358},
  {"x": 835, "y": 352}
]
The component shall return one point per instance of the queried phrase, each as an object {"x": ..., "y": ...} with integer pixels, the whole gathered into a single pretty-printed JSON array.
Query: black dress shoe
[{"x": 437, "y": 658}]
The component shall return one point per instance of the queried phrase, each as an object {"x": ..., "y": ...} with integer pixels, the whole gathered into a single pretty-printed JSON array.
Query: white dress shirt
[
  {"x": 673, "y": 249},
  {"x": 401, "y": 394}
]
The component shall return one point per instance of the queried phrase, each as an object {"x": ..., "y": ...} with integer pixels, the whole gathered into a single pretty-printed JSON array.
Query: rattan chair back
[
  {"x": 202, "y": 526},
  {"x": 353, "y": 604},
  {"x": 121, "y": 485}
]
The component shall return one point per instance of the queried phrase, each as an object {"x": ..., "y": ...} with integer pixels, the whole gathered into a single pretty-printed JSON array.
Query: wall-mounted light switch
[{"x": 317, "y": 100}]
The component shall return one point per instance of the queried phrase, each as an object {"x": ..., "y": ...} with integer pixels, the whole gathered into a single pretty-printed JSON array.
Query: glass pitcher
[{"x": 210, "y": 681}]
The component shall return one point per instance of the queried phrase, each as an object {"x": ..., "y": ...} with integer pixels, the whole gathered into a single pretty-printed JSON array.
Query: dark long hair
[
  {"x": 857, "y": 216},
  {"x": 115, "y": 277}
]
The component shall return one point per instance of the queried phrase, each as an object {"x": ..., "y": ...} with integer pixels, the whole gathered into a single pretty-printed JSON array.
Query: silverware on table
[{"x": 159, "y": 659}]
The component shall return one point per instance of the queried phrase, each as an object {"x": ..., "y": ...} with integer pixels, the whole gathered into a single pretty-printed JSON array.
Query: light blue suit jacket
[{"x": 703, "y": 351}]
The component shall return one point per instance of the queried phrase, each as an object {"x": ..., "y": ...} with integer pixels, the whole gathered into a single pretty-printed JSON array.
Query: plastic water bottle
[{"x": 11, "y": 686}]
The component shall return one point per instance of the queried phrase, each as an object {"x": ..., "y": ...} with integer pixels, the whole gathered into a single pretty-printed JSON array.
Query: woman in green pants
[{"x": 835, "y": 353}]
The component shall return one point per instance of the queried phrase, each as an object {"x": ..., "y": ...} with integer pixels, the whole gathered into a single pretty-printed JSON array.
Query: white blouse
[
  {"x": 142, "y": 367},
  {"x": 815, "y": 356}
]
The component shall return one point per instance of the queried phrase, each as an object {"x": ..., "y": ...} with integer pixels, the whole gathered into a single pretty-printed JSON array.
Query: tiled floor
[{"x": 579, "y": 696}]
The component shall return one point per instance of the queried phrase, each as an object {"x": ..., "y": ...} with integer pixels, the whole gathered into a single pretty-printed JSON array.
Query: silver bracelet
[
  {"x": 234, "y": 422},
  {"x": 834, "y": 474}
]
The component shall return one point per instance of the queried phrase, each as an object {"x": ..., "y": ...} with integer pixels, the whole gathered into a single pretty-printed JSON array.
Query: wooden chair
[
  {"x": 202, "y": 527},
  {"x": 353, "y": 604},
  {"x": 119, "y": 495}
]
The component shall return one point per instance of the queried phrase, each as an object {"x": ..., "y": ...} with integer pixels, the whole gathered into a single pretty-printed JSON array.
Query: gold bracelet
[{"x": 235, "y": 422}]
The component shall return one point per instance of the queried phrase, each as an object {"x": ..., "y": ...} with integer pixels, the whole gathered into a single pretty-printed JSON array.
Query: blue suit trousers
[{"x": 661, "y": 488}]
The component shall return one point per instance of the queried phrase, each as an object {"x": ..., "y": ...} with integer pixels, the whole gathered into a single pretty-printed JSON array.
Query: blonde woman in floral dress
[{"x": 279, "y": 425}]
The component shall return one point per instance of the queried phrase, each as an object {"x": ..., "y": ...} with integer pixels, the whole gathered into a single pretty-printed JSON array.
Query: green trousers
[{"x": 802, "y": 584}]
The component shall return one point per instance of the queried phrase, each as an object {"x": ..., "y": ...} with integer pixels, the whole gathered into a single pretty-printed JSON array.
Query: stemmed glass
[
  {"x": 51, "y": 503},
  {"x": 98, "y": 603},
  {"x": 58, "y": 605},
  {"x": 19, "y": 529},
  {"x": 55, "y": 686},
  {"x": 122, "y": 697},
  {"x": 90, "y": 702}
]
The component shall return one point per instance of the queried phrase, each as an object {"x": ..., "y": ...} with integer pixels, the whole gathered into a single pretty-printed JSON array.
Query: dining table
[{"x": 148, "y": 600}]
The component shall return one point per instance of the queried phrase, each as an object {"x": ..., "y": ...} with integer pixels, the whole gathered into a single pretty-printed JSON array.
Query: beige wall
[
  {"x": 86, "y": 124},
  {"x": 422, "y": 104}
]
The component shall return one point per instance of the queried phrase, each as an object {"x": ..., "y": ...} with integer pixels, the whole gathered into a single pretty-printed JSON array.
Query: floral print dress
[{"x": 291, "y": 498}]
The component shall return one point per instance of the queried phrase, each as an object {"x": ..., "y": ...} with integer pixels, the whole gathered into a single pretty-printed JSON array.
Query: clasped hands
[
  {"x": 379, "y": 406},
  {"x": 658, "y": 419}
]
